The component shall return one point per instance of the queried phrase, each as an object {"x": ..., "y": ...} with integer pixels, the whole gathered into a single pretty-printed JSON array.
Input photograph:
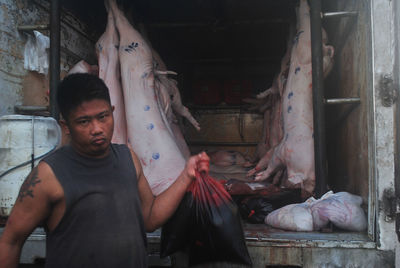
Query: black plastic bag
[
  {"x": 254, "y": 210},
  {"x": 207, "y": 225}
]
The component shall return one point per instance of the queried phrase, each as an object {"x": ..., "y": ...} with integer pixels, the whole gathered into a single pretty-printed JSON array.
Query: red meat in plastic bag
[{"x": 207, "y": 225}]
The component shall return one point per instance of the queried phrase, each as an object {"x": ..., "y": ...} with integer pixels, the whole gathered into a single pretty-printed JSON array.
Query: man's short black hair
[{"x": 77, "y": 88}]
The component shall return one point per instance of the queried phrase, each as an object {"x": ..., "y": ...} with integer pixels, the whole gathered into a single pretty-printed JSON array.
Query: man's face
[{"x": 91, "y": 126}]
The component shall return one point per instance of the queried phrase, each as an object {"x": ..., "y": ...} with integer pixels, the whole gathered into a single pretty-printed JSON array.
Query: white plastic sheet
[
  {"x": 36, "y": 54},
  {"x": 342, "y": 209},
  {"x": 293, "y": 217}
]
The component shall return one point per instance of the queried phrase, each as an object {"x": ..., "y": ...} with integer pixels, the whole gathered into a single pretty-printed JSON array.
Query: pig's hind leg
[{"x": 275, "y": 164}]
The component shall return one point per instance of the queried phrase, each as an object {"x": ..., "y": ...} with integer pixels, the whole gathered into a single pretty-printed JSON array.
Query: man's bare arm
[
  {"x": 157, "y": 210},
  {"x": 32, "y": 206}
]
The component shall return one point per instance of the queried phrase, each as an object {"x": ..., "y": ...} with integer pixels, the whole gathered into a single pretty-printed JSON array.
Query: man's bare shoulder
[
  {"x": 43, "y": 178},
  {"x": 136, "y": 162},
  {"x": 36, "y": 199}
]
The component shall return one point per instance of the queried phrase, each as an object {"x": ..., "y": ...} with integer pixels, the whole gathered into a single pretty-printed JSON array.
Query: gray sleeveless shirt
[{"x": 103, "y": 224}]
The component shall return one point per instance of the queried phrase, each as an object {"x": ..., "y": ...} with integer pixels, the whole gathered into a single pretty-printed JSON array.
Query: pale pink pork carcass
[
  {"x": 84, "y": 67},
  {"x": 273, "y": 121},
  {"x": 109, "y": 71},
  {"x": 148, "y": 134},
  {"x": 296, "y": 150},
  {"x": 170, "y": 100}
]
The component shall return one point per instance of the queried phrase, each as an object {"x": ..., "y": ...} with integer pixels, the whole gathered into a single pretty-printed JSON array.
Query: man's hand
[
  {"x": 199, "y": 163},
  {"x": 157, "y": 210}
]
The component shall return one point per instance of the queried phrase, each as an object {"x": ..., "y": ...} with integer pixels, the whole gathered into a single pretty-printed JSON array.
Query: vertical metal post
[
  {"x": 54, "y": 56},
  {"x": 397, "y": 119},
  {"x": 318, "y": 97},
  {"x": 397, "y": 167}
]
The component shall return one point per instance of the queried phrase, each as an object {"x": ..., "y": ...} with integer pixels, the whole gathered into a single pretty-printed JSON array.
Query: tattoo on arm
[{"x": 28, "y": 185}]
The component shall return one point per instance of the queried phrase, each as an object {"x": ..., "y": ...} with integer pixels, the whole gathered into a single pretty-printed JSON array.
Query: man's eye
[
  {"x": 83, "y": 122},
  {"x": 103, "y": 116}
]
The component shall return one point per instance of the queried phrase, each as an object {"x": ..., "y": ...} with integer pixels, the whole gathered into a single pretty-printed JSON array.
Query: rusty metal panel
[
  {"x": 263, "y": 235},
  {"x": 35, "y": 87},
  {"x": 306, "y": 257},
  {"x": 226, "y": 126},
  {"x": 77, "y": 40},
  {"x": 383, "y": 112},
  {"x": 264, "y": 256},
  {"x": 357, "y": 258}
]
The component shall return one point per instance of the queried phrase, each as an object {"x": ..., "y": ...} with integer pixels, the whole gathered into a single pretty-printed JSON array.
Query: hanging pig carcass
[
  {"x": 273, "y": 122},
  {"x": 162, "y": 85},
  {"x": 148, "y": 131},
  {"x": 169, "y": 99},
  {"x": 296, "y": 149},
  {"x": 109, "y": 71},
  {"x": 171, "y": 86}
]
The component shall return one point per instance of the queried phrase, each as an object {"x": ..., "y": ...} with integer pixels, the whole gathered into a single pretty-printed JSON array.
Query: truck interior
[{"x": 214, "y": 44}]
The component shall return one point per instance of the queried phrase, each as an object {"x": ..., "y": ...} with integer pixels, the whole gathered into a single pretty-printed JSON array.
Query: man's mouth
[{"x": 98, "y": 141}]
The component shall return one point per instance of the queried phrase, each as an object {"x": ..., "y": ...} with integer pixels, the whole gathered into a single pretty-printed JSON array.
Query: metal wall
[
  {"x": 306, "y": 257},
  {"x": 347, "y": 124},
  {"x": 361, "y": 138},
  {"x": 383, "y": 68},
  {"x": 17, "y": 85}
]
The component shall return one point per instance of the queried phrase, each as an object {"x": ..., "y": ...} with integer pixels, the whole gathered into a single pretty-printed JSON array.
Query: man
[{"x": 91, "y": 196}]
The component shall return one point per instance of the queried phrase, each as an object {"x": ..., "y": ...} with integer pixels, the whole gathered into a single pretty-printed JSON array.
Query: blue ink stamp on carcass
[
  {"x": 289, "y": 109},
  {"x": 131, "y": 47},
  {"x": 150, "y": 126},
  {"x": 290, "y": 95},
  {"x": 144, "y": 75},
  {"x": 296, "y": 38},
  {"x": 296, "y": 70},
  {"x": 156, "y": 156},
  {"x": 146, "y": 107},
  {"x": 287, "y": 136}
]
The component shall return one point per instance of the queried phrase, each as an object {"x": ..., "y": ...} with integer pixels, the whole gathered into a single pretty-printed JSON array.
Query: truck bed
[{"x": 256, "y": 235}]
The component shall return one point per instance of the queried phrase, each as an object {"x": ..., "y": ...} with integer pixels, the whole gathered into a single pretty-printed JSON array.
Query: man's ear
[
  {"x": 64, "y": 126},
  {"x": 112, "y": 108}
]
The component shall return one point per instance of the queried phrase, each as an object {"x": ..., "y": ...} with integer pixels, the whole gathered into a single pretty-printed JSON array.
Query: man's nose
[{"x": 96, "y": 127}]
